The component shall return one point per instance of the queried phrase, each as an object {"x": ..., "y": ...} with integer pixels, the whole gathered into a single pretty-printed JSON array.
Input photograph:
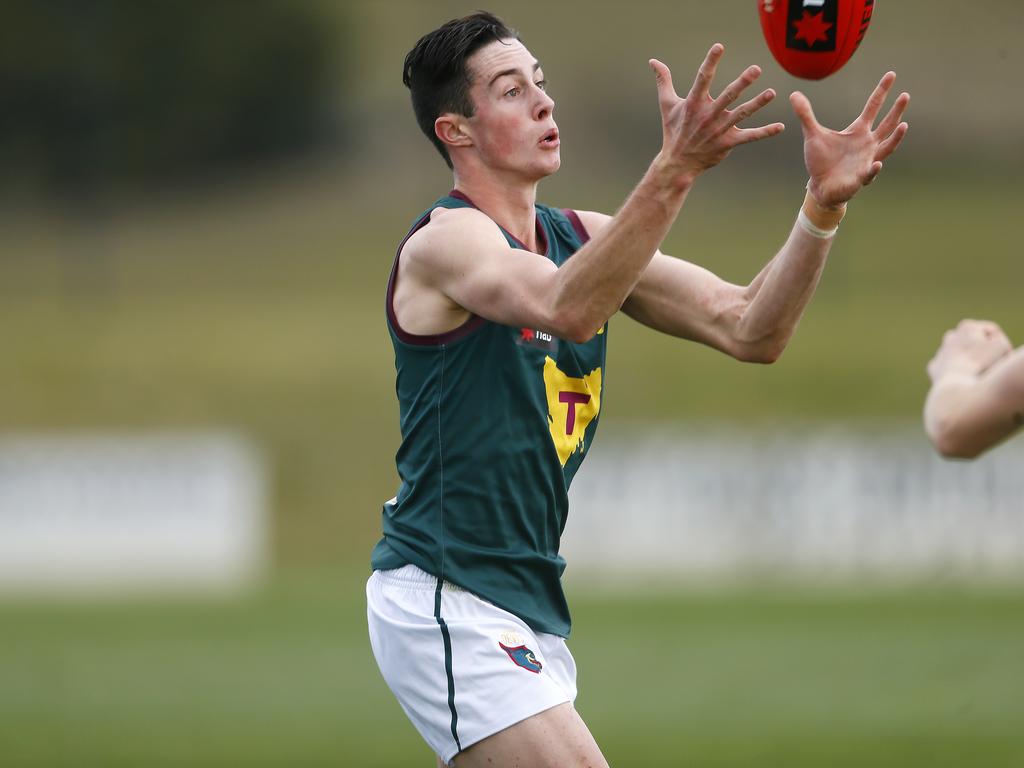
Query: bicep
[{"x": 468, "y": 260}]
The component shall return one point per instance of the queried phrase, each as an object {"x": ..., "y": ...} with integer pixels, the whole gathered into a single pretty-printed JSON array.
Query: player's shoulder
[
  {"x": 460, "y": 224},
  {"x": 450, "y": 233}
]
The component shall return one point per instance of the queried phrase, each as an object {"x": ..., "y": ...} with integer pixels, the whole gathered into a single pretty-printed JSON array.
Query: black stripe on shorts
[{"x": 447, "y": 664}]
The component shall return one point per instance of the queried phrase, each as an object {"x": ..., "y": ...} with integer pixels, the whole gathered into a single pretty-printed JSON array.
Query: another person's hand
[
  {"x": 698, "y": 132},
  {"x": 969, "y": 349},
  {"x": 840, "y": 163}
]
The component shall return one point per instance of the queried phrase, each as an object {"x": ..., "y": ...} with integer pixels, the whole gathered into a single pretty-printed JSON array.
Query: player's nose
[{"x": 544, "y": 106}]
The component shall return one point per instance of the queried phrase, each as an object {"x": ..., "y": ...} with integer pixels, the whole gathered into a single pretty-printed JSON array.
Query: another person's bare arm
[{"x": 977, "y": 395}]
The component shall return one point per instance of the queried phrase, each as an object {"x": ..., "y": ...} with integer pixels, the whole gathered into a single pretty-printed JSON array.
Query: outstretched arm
[
  {"x": 977, "y": 393},
  {"x": 756, "y": 321},
  {"x": 461, "y": 256}
]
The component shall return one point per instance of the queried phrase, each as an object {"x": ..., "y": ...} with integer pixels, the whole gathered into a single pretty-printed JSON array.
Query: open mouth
[{"x": 550, "y": 139}]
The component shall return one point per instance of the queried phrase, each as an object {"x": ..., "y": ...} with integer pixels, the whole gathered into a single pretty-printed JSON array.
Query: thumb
[
  {"x": 663, "y": 77},
  {"x": 802, "y": 108}
]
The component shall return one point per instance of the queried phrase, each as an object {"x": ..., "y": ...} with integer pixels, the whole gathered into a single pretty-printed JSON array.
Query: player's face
[{"x": 512, "y": 127}]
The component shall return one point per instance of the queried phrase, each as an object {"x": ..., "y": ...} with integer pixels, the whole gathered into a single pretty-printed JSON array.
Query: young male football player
[{"x": 498, "y": 310}]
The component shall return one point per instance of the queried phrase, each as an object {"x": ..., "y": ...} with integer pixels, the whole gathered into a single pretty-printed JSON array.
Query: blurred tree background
[{"x": 106, "y": 95}]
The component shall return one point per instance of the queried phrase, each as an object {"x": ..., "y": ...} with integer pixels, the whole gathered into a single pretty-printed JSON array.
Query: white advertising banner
[
  {"x": 816, "y": 503},
  {"x": 130, "y": 513}
]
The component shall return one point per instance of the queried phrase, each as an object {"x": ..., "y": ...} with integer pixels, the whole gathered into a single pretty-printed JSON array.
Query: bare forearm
[
  {"x": 777, "y": 297},
  {"x": 594, "y": 283},
  {"x": 780, "y": 293},
  {"x": 967, "y": 413}
]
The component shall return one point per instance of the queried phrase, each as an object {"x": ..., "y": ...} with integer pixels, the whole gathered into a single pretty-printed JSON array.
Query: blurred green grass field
[{"x": 287, "y": 679}]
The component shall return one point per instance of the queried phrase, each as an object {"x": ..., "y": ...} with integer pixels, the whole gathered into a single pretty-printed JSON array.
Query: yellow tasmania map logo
[{"x": 572, "y": 404}]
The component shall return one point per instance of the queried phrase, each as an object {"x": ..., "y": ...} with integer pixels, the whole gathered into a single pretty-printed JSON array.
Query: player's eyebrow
[{"x": 513, "y": 71}]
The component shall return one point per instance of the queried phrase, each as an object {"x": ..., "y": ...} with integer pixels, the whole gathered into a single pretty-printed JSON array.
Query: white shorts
[{"x": 462, "y": 668}]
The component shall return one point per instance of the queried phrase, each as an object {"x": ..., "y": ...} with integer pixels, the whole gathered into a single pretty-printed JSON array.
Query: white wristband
[{"x": 813, "y": 230}]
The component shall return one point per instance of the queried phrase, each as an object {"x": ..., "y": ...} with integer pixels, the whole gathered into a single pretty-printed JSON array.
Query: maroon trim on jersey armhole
[
  {"x": 577, "y": 224},
  {"x": 474, "y": 321},
  {"x": 542, "y": 236}
]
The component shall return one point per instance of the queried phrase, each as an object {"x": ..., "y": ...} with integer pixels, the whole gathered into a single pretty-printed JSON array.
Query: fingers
[
  {"x": 969, "y": 331},
  {"x": 984, "y": 328},
  {"x": 873, "y": 170},
  {"x": 877, "y": 98},
  {"x": 745, "y": 110},
  {"x": 706, "y": 73},
  {"x": 983, "y": 341},
  {"x": 891, "y": 120},
  {"x": 667, "y": 95},
  {"x": 747, "y": 135},
  {"x": 998, "y": 337},
  {"x": 802, "y": 108},
  {"x": 889, "y": 146},
  {"x": 736, "y": 87}
]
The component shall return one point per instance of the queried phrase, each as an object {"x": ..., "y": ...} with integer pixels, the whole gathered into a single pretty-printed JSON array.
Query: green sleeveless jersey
[{"x": 495, "y": 422}]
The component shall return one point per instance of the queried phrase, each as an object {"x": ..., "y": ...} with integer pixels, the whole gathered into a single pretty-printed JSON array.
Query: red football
[{"x": 814, "y": 38}]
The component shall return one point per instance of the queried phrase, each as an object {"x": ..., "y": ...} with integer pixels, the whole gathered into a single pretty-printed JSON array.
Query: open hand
[
  {"x": 698, "y": 132},
  {"x": 841, "y": 162}
]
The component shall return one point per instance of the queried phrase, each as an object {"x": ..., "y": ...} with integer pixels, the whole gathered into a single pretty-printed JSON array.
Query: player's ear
[{"x": 451, "y": 129}]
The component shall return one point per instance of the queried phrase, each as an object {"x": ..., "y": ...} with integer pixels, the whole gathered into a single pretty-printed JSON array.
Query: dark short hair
[{"x": 435, "y": 69}]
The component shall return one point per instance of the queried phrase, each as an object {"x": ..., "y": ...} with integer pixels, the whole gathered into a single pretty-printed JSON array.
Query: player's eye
[
  {"x": 512, "y": 91},
  {"x": 542, "y": 84}
]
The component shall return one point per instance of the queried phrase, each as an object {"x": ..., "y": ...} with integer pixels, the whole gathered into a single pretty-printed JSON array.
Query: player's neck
[{"x": 510, "y": 203}]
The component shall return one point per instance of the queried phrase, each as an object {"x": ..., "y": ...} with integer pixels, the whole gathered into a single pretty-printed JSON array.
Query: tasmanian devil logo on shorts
[
  {"x": 572, "y": 404},
  {"x": 523, "y": 657},
  {"x": 812, "y": 25}
]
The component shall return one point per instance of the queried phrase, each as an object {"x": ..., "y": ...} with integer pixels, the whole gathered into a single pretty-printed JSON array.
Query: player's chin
[
  {"x": 549, "y": 163},
  {"x": 539, "y": 167}
]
